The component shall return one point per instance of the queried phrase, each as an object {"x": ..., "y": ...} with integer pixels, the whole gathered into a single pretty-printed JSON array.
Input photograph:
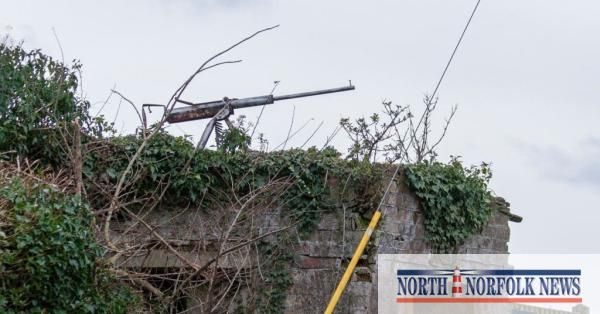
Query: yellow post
[{"x": 350, "y": 270}]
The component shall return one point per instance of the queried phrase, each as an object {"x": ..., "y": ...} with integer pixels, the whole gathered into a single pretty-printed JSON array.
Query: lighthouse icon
[{"x": 456, "y": 283}]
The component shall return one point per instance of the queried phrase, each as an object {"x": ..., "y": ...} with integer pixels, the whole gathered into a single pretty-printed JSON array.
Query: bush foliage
[
  {"x": 49, "y": 258},
  {"x": 38, "y": 103}
]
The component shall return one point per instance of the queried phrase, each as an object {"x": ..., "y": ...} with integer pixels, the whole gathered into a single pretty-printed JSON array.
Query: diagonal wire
[
  {"x": 437, "y": 86},
  {"x": 455, "y": 49},
  {"x": 462, "y": 35}
]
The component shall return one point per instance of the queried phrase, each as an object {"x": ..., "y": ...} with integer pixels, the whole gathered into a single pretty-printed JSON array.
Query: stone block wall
[{"x": 321, "y": 258}]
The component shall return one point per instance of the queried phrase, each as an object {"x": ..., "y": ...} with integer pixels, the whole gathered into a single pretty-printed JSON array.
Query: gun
[{"x": 221, "y": 109}]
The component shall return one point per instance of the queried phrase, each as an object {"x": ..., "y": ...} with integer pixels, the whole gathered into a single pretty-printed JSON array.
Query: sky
[{"x": 525, "y": 80}]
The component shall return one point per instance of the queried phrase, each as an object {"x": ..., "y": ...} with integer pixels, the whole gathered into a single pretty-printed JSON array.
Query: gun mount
[{"x": 220, "y": 110}]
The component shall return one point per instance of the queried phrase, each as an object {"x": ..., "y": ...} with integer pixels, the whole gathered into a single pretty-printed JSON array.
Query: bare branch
[
  {"x": 311, "y": 135},
  {"x": 131, "y": 103},
  {"x": 170, "y": 105}
]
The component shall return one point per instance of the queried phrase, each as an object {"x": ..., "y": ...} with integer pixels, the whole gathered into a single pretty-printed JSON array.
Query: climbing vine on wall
[
  {"x": 456, "y": 200},
  {"x": 193, "y": 174}
]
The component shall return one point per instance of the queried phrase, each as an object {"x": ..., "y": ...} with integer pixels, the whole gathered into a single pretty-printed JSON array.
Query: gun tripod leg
[{"x": 206, "y": 134}]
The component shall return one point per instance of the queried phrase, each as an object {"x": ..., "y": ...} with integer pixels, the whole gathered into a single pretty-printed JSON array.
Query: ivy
[
  {"x": 278, "y": 279},
  {"x": 48, "y": 255},
  {"x": 192, "y": 175},
  {"x": 456, "y": 200}
]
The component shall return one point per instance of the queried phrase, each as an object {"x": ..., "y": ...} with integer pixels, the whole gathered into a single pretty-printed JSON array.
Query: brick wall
[{"x": 321, "y": 258}]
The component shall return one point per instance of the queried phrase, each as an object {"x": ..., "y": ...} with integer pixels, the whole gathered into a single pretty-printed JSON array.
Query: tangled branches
[{"x": 396, "y": 134}]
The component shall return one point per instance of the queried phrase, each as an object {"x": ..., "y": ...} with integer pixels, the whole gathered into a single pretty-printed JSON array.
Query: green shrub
[
  {"x": 38, "y": 103},
  {"x": 49, "y": 256}
]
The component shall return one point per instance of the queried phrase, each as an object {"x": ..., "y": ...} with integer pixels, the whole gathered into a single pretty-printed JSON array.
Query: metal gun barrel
[
  {"x": 318, "y": 92},
  {"x": 210, "y": 109}
]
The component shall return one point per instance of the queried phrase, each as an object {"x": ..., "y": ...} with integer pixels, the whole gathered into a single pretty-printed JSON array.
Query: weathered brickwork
[
  {"x": 400, "y": 231},
  {"x": 321, "y": 257}
]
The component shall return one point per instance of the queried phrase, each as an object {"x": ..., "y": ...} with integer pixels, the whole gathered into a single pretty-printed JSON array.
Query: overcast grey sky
[{"x": 525, "y": 80}]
